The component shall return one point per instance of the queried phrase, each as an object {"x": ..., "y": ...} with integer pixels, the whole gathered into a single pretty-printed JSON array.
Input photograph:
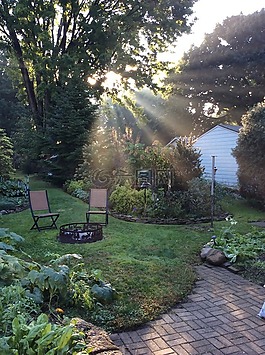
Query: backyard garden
[
  {"x": 136, "y": 272},
  {"x": 162, "y": 213},
  {"x": 88, "y": 102}
]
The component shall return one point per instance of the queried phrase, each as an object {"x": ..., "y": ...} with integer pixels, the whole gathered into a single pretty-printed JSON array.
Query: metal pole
[{"x": 212, "y": 189}]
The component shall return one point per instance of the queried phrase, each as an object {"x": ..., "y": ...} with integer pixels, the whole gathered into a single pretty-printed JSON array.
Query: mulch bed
[{"x": 167, "y": 221}]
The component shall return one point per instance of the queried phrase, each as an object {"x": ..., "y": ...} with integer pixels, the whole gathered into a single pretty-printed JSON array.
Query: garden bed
[{"x": 167, "y": 221}]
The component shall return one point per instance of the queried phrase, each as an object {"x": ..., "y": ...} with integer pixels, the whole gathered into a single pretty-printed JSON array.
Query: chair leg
[
  {"x": 35, "y": 224},
  {"x": 87, "y": 217},
  {"x": 52, "y": 225},
  {"x": 107, "y": 219},
  {"x": 54, "y": 219}
]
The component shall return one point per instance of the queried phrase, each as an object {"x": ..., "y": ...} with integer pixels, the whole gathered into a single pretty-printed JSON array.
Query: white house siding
[{"x": 219, "y": 142}]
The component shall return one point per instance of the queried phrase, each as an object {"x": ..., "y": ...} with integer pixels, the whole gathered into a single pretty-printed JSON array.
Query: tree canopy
[
  {"x": 10, "y": 107},
  {"x": 55, "y": 40},
  {"x": 221, "y": 79}
]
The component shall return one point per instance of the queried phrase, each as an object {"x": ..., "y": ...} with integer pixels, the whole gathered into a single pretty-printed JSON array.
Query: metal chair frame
[
  {"x": 98, "y": 198},
  {"x": 39, "y": 202}
]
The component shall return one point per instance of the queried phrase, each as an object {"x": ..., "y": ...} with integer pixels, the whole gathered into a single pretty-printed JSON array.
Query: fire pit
[{"x": 80, "y": 233}]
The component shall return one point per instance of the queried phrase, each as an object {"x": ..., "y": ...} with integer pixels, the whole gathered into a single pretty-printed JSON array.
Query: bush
[
  {"x": 182, "y": 159},
  {"x": 198, "y": 198},
  {"x": 13, "y": 188},
  {"x": 6, "y": 155},
  {"x": 12, "y": 203},
  {"x": 126, "y": 200},
  {"x": 78, "y": 188},
  {"x": 166, "y": 205},
  {"x": 249, "y": 154},
  {"x": 194, "y": 202}
]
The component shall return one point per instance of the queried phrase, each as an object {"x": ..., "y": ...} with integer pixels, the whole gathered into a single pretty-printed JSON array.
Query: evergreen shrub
[{"x": 249, "y": 154}]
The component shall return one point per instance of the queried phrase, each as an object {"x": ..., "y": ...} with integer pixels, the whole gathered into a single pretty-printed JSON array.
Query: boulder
[
  {"x": 97, "y": 338},
  {"x": 204, "y": 252},
  {"x": 215, "y": 257}
]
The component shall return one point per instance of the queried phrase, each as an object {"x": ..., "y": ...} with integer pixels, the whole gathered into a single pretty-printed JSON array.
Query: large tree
[
  {"x": 223, "y": 77},
  {"x": 10, "y": 107},
  {"x": 53, "y": 39}
]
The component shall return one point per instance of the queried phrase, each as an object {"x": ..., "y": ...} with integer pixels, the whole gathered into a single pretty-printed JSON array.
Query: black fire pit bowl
[{"x": 80, "y": 233}]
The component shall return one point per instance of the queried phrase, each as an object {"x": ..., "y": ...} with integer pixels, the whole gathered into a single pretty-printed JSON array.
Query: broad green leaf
[
  {"x": 6, "y": 246},
  {"x": 46, "y": 340},
  {"x": 65, "y": 338}
]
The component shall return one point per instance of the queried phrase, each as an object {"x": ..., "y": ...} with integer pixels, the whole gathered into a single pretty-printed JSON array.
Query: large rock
[
  {"x": 204, "y": 252},
  {"x": 215, "y": 257},
  {"x": 97, "y": 338}
]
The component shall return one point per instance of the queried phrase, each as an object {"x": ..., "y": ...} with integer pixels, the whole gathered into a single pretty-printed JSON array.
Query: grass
[{"x": 150, "y": 266}]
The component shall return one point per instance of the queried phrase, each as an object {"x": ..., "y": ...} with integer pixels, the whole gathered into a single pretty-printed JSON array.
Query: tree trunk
[{"x": 24, "y": 71}]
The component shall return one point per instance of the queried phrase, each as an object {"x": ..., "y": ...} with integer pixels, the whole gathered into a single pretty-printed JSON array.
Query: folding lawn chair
[
  {"x": 40, "y": 209},
  {"x": 98, "y": 198}
]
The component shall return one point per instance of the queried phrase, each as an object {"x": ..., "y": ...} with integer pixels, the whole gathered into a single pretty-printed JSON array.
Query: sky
[{"x": 209, "y": 13}]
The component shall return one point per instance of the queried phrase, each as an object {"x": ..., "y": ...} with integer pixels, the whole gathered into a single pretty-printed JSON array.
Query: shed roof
[
  {"x": 228, "y": 127},
  {"x": 231, "y": 127}
]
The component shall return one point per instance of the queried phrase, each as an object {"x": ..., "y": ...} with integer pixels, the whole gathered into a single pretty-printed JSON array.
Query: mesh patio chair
[
  {"x": 98, "y": 198},
  {"x": 40, "y": 210}
]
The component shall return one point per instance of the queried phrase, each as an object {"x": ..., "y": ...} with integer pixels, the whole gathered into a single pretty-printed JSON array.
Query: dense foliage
[
  {"x": 223, "y": 77},
  {"x": 57, "y": 46},
  {"x": 28, "y": 288},
  {"x": 194, "y": 202},
  {"x": 182, "y": 159},
  {"x": 67, "y": 129},
  {"x": 249, "y": 154},
  {"x": 13, "y": 194},
  {"x": 53, "y": 40},
  {"x": 6, "y": 155},
  {"x": 239, "y": 247},
  {"x": 11, "y": 109}
]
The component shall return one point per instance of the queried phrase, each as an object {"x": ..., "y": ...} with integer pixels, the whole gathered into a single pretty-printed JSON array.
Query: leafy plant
[
  {"x": 13, "y": 301},
  {"x": 78, "y": 188},
  {"x": 11, "y": 268},
  {"x": 6, "y": 155},
  {"x": 238, "y": 246},
  {"x": 86, "y": 290},
  {"x": 9, "y": 239},
  {"x": 50, "y": 281},
  {"x": 126, "y": 200},
  {"x": 166, "y": 205},
  {"x": 13, "y": 188},
  {"x": 103, "y": 292},
  {"x": 198, "y": 198},
  {"x": 42, "y": 337},
  {"x": 12, "y": 203}
]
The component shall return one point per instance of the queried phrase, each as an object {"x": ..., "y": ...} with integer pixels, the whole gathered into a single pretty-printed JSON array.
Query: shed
[{"x": 219, "y": 142}]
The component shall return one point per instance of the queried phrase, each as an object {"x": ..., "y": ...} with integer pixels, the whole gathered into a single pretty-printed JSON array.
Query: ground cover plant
[
  {"x": 12, "y": 194},
  {"x": 150, "y": 266}
]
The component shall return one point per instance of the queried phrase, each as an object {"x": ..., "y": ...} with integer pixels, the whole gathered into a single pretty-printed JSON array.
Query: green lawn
[{"x": 150, "y": 266}]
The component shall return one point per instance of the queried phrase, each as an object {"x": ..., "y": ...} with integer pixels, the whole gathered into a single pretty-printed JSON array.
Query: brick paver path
[{"x": 219, "y": 317}]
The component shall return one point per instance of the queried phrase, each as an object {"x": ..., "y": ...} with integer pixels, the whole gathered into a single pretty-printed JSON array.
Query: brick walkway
[{"x": 219, "y": 317}]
